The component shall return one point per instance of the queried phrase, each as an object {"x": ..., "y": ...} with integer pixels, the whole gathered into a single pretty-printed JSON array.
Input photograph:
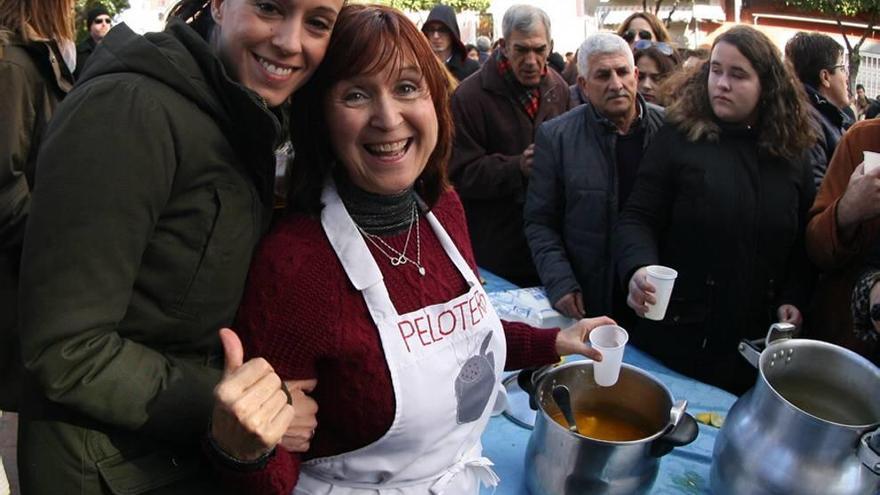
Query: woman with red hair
[{"x": 369, "y": 285}]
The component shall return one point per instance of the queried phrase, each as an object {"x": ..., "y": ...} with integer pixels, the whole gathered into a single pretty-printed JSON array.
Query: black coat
[
  {"x": 731, "y": 221},
  {"x": 461, "y": 67},
  {"x": 84, "y": 50}
]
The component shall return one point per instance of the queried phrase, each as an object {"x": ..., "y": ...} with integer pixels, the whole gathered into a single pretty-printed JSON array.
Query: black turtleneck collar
[{"x": 377, "y": 214}]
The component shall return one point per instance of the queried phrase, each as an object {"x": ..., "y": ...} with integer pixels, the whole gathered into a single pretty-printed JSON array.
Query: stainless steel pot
[
  {"x": 807, "y": 426},
  {"x": 560, "y": 462}
]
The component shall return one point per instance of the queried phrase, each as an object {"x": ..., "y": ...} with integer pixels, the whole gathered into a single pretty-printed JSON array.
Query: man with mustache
[
  {"x": 496, "y": 112},
  {"x": 585, "y": 167}
]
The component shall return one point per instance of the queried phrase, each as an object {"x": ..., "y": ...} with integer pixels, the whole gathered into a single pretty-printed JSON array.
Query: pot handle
[
  {"x": 751, "y": 349},
  {"x": 779, "y": 332},
  {"x": 681, "y": 431},
  {"x": 869, "y": 451},
  {"x": 528, "y": 379}
]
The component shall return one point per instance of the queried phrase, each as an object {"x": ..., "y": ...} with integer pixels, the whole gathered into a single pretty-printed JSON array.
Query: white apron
[{"x": 445, "y": 361}]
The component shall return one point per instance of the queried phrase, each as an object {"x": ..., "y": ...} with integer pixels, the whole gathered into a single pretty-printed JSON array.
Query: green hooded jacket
[
  {"x": 33, "y": 79},
  {"x": 153, "y": 187}
]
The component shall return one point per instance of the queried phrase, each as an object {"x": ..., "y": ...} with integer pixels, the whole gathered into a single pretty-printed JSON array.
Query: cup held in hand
[
  {"x": 872, "y": 160},
  {"x": 663, "y": 279},
  {"x": 610, "y": 340}
]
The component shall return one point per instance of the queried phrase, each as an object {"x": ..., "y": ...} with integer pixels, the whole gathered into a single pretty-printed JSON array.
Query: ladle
[{"x": 562, "y": 396}]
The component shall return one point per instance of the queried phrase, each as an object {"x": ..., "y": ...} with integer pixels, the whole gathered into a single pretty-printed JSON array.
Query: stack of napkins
[
  {"x": 528, "y": 306},
  {"x": 4, "y": 483}
]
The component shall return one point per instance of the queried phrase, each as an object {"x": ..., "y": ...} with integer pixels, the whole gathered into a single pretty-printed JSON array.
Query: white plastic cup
[
  {"x": 610, "y": 340},
  {"x": 662, "y": 278},
  {"x": 872, "y": 160}
]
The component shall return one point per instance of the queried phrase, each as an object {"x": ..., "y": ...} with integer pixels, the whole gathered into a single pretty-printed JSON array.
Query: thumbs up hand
[{"x": 251, "y": 411}]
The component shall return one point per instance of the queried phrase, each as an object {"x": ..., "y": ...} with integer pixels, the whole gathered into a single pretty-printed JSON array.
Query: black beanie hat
[{"x": 94, "y": 12}]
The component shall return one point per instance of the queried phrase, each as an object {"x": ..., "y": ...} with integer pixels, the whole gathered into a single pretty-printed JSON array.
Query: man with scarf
[{"x": 496, "y": 114}]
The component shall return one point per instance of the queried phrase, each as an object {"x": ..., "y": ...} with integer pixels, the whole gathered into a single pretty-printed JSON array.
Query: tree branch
[
  {"x": 869, "y": 30},
  {"x": 668, "y": 20},
  {"x": 849, "y": 48}
]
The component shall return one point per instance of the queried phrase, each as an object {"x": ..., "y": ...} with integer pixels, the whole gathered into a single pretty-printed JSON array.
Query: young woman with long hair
[
  {"x": 370, "y": 286},
  {"x": 722, "y": 197},
  {"x": 154, "y": 185}
]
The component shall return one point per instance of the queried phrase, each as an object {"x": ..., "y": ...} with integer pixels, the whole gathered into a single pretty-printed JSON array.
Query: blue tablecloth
[
  {"x": 494, "y": 283},
  {"x": 683, "y": 471}
]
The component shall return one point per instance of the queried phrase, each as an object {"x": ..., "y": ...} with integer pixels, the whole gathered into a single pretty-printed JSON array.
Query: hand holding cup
[
  {"x": 641, "y": 292},
  {"x": 572, "y": 339},
  {"x": 610, "y": 340},
  {"x": 662, "y": 279},
  {"x": 650, "y": 288}
]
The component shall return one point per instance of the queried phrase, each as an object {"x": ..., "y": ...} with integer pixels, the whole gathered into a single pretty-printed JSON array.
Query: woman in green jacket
[
  {"x": 36, "y": 60},
  {"x": 153, "y": 186}
]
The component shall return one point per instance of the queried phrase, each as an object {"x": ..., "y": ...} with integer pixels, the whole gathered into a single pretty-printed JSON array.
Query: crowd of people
[{"x": 241, "y": 256}]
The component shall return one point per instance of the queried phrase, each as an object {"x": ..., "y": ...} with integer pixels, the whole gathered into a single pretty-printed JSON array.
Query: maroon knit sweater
[{"x": 302, "y": 314}]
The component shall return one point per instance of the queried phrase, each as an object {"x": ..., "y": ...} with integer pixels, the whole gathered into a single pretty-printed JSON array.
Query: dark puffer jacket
[
  {"x": 573, "y": 203},
  {"x": 154, "y": 185},
  {"x": 731, "y": 220},
  {"x": 458, "y": 64}
]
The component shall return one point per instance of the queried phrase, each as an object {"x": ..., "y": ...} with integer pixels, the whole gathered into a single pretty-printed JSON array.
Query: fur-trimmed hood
[{"x": 695, "y": 127}]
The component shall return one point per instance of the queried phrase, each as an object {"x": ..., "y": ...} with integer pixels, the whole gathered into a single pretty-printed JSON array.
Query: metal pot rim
[
  {"x": 573, "y": 364},
  {"x": 776, "y": 345}
]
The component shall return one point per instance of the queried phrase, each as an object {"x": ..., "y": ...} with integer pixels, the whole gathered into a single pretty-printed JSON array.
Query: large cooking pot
[
  {"x": 808, "y": 426},
  {"x": 560, "y": 462}
]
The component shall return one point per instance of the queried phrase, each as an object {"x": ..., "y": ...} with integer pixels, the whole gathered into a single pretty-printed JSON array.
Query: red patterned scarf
[{"x": 529, "y": 98}]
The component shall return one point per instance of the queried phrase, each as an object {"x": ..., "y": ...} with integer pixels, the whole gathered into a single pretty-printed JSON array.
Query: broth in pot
[{"x": 612, "y": 424}]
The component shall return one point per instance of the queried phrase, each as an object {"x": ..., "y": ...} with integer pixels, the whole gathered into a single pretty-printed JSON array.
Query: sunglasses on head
[
  {"x": 630, "y": 34},
  {"x": 102, "y": 21},
  {"x": 436, "y": 30},
  {"x": 662, "y": 47}
]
